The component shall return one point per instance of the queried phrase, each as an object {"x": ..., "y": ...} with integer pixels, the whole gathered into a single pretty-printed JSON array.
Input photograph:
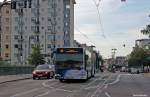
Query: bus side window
[{"x": 86, "y": 57}]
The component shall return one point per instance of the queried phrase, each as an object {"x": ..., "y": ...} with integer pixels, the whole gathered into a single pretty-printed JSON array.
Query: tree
[
  {"x": 36, "y": 57},
  {"x": 146, "y": 31},
  {"x": 137, "y": 57}
]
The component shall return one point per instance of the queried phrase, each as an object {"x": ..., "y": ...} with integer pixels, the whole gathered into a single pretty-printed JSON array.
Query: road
[{"x": 102, "y": 85}]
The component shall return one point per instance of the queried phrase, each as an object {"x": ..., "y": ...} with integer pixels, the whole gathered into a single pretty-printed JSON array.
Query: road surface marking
[
  {"x": 117, "y": 80},
  {"x": 26, "y": 92},
  {"x": 46, "y": 93},
  {"x": 139, "y": 95},
  {"x": 106, "y": 86},
  {"x": 64, "y": 90},
  {"x": 107, "y": 94},
  {"x": 55, "y": 89},
  {"x": 100, "y": 86},
  {"x": 45, "y": 85}
]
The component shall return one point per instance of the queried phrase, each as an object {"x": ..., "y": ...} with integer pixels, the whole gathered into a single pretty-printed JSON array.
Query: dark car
[{"x": 43, "y": 71}]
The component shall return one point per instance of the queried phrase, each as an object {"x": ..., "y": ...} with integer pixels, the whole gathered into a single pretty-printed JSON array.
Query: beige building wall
[
  {"x": 59, "y": 17},
  {"x": 6, "y": 31}
]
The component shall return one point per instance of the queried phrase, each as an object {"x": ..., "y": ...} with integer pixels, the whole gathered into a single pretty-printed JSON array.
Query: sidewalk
[
  {"x": 147, "y": 74},
  {"x": 10, "y": 78}
]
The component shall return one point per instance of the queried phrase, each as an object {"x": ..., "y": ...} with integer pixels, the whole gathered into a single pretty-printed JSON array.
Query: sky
[{"x": 119, "y": 23}]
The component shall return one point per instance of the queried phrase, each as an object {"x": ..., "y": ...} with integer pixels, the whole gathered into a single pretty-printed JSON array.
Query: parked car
[{"x": 43, "y": 71}]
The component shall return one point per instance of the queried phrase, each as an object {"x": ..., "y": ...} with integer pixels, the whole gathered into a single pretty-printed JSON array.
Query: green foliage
[
  {"x": 137, "y": 57},
  {"x": 146, "y": 31},
  {"x": 3, "y": 63},
  {"x": 36, "y": 57}
]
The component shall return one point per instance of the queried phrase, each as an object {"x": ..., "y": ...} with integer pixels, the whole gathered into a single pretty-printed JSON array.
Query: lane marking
[
  {"x": 48, "y": 86},
  {"x": 84, "y": 87},
  {"x": 107, "y": 94},
  {"x": 55, "y": 89},
  {"x": 64, "y": 90},
  {"x": 106, "y": 86},
  {"x": 117, "y": 80},
  {"x": 43, "y": 94},
  {"x": 100, "y": 86},
  {"x": 140, "y": 95}
]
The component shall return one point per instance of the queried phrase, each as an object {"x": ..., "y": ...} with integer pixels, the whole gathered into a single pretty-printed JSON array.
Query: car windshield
[{"x": 42, "y": 67}]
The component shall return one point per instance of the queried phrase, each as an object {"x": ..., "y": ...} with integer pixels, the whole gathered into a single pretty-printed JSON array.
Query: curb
[{"x": 15, "y": 80}]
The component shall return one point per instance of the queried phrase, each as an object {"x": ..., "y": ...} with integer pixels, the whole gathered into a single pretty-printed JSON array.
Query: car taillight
[{"x": 34, "y": 72}]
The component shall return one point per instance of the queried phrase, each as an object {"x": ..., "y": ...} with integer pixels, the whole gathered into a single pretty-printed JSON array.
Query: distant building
[
  {"x": 143, "y": 43},
  {"x": 108, "y": 62},
  {"x": 121, "y": 61},
  {"x": 49, "y": 23},
  {"x": 5, "y": 29}
]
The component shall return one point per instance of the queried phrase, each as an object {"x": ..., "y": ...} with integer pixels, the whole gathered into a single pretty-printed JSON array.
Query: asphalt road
[{"x": 102, "y": 85}]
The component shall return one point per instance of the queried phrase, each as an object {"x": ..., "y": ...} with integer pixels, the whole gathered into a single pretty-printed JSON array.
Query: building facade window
[
  {"x": 16, "y": 19},
  {"x": 6, "y": 55},
  {"x": 42, "y": 27},
  {"x": 33, "y": 28},
  {"x": 7, "y": 28},
  {"x": 16, "y": 45},
  {"x": 7, "y": 37},
  {"x": 16, "y": 28},
  {"x": 49, "y": 28},
  {"x": 16, "y": 37},
  {"x": 48, "y": 45},
  {"x": 7, "y": 20},
  {"x": 67, "y": 6},
  {"x": 6, "y": 46},
  {"x": 42, "y": 18},
  {"x": 50, "y": 37},
  {"x": 7, "y": 11}
]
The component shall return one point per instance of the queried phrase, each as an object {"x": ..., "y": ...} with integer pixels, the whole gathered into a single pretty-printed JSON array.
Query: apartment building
[
  {"x": 49, "y": 23},
  {"x": 5, "y": 23}
]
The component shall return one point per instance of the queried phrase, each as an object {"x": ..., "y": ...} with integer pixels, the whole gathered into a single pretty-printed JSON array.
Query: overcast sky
[{"x": 120, "y": 23}]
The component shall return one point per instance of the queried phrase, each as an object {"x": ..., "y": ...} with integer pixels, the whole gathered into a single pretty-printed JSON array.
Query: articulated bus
[{"x": 74, "y": 63}]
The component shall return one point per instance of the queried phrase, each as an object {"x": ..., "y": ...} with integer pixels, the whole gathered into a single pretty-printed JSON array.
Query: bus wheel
[{"x": 61, "y": 80}]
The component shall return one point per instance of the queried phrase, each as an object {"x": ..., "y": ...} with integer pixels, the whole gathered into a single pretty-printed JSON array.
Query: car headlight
[{"x": 46, "y": 72}]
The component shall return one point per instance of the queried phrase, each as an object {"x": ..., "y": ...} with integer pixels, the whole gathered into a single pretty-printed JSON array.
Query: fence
[{"x": 15, "y": 70}]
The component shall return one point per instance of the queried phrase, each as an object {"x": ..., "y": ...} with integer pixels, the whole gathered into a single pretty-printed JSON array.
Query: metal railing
[{"x": 16, "y": 70}]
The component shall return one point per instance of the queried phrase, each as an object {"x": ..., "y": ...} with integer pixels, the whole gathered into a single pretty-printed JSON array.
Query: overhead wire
[
  {"x": 100, "y": 22},
  {"x": 99, "y": 17},
  {"x": 85, "y": 35}
]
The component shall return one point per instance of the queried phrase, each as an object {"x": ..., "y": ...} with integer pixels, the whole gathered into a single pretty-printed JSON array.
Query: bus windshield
[{"x": 66, "y": 61}]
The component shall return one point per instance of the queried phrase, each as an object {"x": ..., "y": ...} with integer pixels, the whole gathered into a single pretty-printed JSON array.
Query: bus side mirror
[{"x": 86, "y": 57}]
